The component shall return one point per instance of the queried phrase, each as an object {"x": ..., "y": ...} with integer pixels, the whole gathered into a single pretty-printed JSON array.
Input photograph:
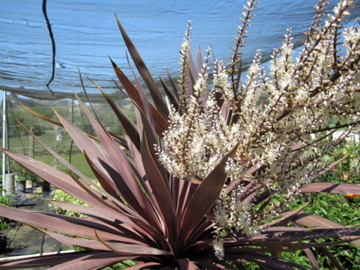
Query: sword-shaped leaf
[
  {"x": 64, "y": 261},
  {"x": 145, "y": 74},
  {"x": 332, "y": 188},
  {"x": 130, "y": 249},
  {"x": 204, "y": 198},
  {"x": 159, "y": 120}
]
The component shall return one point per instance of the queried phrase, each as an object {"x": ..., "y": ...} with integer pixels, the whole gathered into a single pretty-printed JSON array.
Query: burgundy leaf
[
  {"x": 131, "y": 249},
  {"x": 332, "y": 188},
  {"x": 159, "y": 120},
  {"x": 41, "y": 116},
  {"x": 126, "y": 123},
  {"x": 121, "y": 170},
  {"x": 286, "y": 217},
  {"x": 204, "y": 198},
  {"x": 159, "y": 189},
  {"x": 171, "y": 98},
  {"x": 95, "y": 261},
  {"x": 81, "y": 242},
  {"x": 317, "y": 222},
  {"x": 64, "y": 259},
  {"x": 145, "y": 74},
  {"x": 44, "y": 221},
  {"x": 57, "y": 178},
  {"x": 265, "y": 260},
  {"x": 310, "y": 254},
  {"x": 332, "y": 258},
  {"x": 185, "y": 264},
  {"x": 147, "y": 109}
]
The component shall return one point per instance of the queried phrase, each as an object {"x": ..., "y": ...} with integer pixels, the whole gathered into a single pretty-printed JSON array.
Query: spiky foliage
[{"x": 202, "y": 197}]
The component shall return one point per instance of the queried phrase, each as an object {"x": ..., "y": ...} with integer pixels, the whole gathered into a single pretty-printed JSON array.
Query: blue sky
[{"x": 86, "y": 33}]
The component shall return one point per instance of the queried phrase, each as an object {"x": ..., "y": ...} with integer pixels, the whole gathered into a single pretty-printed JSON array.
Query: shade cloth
[{"x": 86, "y": 34}]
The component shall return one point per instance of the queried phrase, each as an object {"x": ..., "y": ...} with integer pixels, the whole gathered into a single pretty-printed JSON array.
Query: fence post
[
  {"x": 31, "y": 144},
  {"x": 58, "y": 138}
]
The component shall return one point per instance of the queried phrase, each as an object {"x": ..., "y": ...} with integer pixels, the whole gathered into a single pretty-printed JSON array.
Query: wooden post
[
  {"x": 31, "y": 144},
  {"x": 57, "y": 139}
]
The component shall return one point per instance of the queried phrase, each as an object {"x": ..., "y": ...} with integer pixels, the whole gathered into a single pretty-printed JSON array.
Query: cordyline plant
[{"x": 203, "y": 183}]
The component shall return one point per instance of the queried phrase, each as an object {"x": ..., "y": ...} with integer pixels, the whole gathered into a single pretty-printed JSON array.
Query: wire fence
[{"x": 17, "y": 138}]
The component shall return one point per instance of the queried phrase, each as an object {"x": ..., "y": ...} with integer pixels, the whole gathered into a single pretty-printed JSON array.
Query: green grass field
[{"x": 63, "y": 147}]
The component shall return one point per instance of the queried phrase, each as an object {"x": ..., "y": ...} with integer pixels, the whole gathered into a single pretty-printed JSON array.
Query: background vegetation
[
  {"x": 19, "y": 140},
  {"x": 340, "y": 208}
]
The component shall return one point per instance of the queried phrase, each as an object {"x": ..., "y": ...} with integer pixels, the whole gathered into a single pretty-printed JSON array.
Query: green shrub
[{"x": 59, "y": 195}]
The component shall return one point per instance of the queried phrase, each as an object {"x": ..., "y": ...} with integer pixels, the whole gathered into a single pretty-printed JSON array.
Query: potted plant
[{"x": 20, "y": 183}]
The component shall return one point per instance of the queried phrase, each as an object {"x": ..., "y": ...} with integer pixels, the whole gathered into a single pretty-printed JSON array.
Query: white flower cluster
[
  {"x": 233, "y": 212},
  {"x": 218, "y": 244},
  {"x": 279, "y": 121},
  {"x": 197, "y": 140}
]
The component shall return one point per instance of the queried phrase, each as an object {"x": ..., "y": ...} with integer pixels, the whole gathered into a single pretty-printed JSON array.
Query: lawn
[{"x": 29, "y": 147}]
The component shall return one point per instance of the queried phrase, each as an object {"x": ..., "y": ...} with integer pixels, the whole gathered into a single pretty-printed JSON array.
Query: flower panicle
[{"x": 279, "y": 120}]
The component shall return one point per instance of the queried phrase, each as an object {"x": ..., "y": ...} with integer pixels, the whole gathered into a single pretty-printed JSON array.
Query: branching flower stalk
[
  {"x": 278, "y": 120},
  {"x": 235, "y": 59},
  {"x": 184, "y": 70}
]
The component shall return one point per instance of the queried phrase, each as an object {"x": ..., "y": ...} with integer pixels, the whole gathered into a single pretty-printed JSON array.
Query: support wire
[{"x": 52, "y": 45}]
